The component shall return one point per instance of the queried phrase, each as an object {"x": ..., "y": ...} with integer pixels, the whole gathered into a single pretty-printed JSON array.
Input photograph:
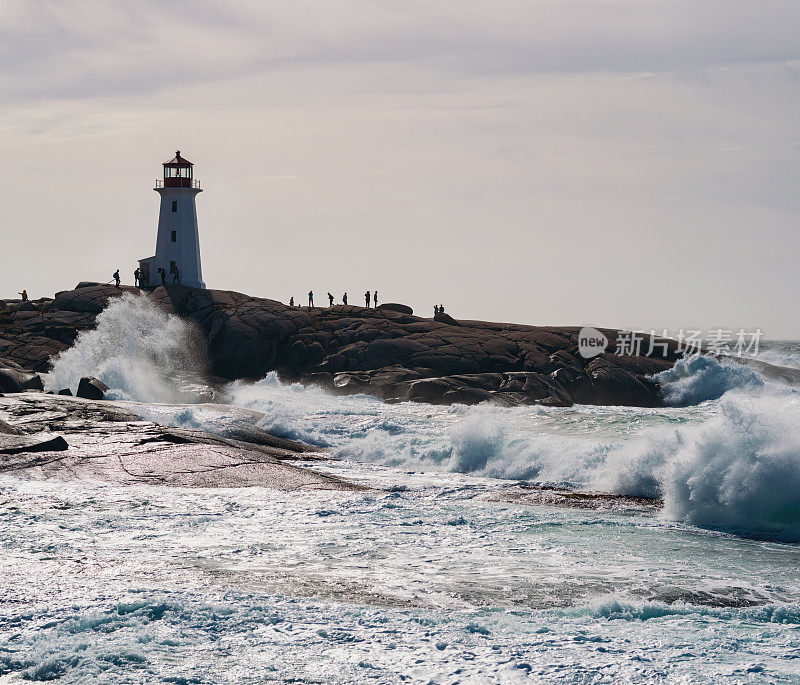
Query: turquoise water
[
  {"x": 441, "y": 572},
  {"x": 433, "y": 583}
]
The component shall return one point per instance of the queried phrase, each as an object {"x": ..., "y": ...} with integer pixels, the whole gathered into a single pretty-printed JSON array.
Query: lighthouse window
[
  {"x": 174, "y": 236},
  {"x": 177, "y": 172},
  {"x": 174, "y": 205}
]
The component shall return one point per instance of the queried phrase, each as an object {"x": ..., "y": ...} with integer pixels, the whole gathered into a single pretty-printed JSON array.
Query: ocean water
[{"x": 444, "y": 571}]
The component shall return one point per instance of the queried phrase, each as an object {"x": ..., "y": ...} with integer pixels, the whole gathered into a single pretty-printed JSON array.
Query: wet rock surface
[
  {"x": 39, "y": 442},
  {"x": 64, "y": 438},
  {"x": 549, "y": 495},
  {"x": 387, "y": 352},
  {"x": 13, "y": 379},
  {"x": 91, "y": 388}
]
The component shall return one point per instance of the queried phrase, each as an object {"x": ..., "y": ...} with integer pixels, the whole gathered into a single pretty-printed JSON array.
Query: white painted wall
[{"x": 185, "y": 251}]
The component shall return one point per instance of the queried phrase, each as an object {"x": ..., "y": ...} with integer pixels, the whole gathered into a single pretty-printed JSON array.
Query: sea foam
[
  {"x": 698, "y": 379},
  {"x": 731, "y": 463},
  {"x": 726, "y": 456}
]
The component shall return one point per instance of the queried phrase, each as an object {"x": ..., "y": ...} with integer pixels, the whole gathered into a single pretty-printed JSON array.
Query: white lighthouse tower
[{"x": 178, "y": 243}]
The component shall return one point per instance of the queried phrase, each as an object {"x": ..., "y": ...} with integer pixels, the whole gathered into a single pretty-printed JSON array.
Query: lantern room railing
[{"x": 177, "y": 182}]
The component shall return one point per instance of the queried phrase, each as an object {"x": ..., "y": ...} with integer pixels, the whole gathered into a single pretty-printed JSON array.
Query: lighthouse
[{"x": 177, "y": 243}]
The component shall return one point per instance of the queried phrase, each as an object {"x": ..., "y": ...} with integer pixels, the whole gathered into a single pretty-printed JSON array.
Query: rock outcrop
[
  {"x": 65, "y": 438},
  {"x": 91, "y": 388},
  {"x": 40, "y": 442},
  {"x": 396, "y": 307},
  {"x": 398, "y": 356},
  {"x": 14, "y": 379},
  {"x": 387, "y": 351}
]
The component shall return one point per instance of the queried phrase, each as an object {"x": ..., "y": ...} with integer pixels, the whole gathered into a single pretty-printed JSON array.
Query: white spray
[
  {"x": 141, "y": 352},
  {"x": 731, "y": 463}
]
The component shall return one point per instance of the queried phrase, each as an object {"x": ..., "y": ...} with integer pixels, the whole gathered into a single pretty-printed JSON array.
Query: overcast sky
[{"x": 624, "y": 163}]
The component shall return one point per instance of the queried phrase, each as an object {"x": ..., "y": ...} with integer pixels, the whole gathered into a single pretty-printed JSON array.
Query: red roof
[{"x": 177, "y": 160}]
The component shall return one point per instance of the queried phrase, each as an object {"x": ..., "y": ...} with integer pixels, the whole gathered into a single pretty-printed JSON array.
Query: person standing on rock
[
  {"x": 310, "y": 299},
  {"x": 344, "y": 298},
  {"x": 366, "y": 298},
  {"x": 23, "y": 295},
  {"x": 435, "y": 310},
  {"x": 330, "y": 300},
  {"x": 176, "y": 276},
  {"x": 116, "y": 278},
  {"x": 375, "y": 299},
  {"x": 163, "y": 275},
  {"x": 441, "y": 309},
  {"x": 291, "y": 302},
  {"x": 136, "y": 275}
]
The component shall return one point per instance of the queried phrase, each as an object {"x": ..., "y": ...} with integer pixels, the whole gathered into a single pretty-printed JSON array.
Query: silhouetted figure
[
  {"x": 435, "y": 309},
  {"x": 441, "y": 309},
  {"x": 163, "y": 274},
  {"x": 23, "y": 295},
  {"x": 116, "y": 278},
  {"x": 344, "y": 298},
  {"x": 310, "y": 299},
  {"x": 375, "y": 299},
  {"x": 136, "y": 275},
  {"x": 366, "y": 298},
  {"x": 291, "y": 302},
  {"x": 176, "y": 276},
  {"x": 330, "y": 300}
]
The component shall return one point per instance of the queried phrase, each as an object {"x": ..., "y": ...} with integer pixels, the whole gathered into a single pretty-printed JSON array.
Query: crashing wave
[
  {"x": 732, "y": 463},
  {"x": 139, "y": 351},
  {"x": 698, "y": 379}
]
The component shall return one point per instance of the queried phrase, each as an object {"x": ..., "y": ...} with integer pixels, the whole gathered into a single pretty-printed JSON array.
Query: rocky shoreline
[
  {"x": 387, "y": 352},
  {"x": 45, "y": 436}
]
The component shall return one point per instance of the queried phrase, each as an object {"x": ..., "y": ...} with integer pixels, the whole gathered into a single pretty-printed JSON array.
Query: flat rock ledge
[{"x": 67, "y": 438}]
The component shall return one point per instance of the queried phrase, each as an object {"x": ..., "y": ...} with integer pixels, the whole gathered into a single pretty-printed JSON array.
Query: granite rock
[{"x": 385, "y": 351}]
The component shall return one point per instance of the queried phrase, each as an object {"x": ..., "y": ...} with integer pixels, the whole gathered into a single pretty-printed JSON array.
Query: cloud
[
  {"x": 75, "y": 48},
  {"x": 550, "y": 161}
]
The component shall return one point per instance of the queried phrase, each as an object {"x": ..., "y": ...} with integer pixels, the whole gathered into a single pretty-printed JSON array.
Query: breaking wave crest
[
  {"x": 613, "y": 608},
  {"x": 139, "y": 351},
  {"x": 698, "y": 379},
  {"x": 731, "y": 463},
  {"x": 737, "y": 471},
  {"x": 725, "y": 455}
]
